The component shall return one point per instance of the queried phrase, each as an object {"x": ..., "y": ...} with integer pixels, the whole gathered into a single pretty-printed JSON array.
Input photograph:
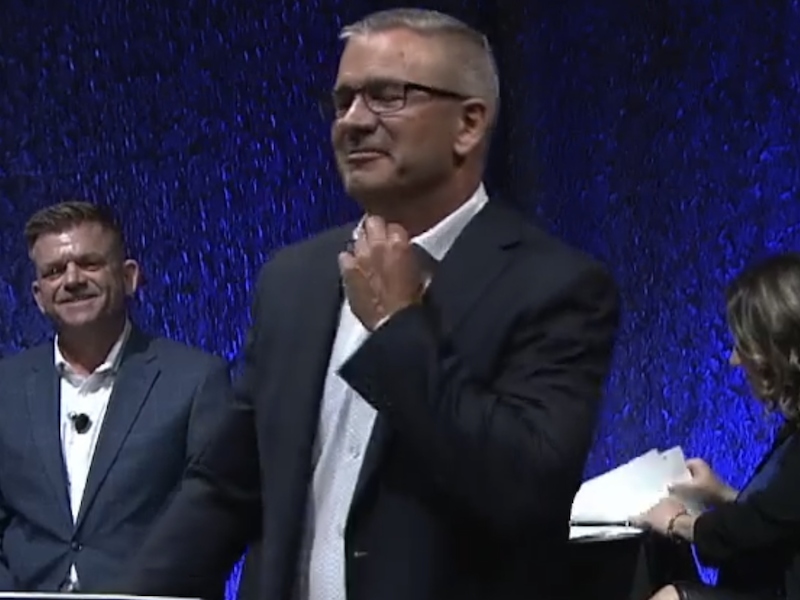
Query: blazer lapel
[
  {"x": 479, "y": 255},
  {"x": 310, "y": 333},
  {"x": 137, "y": 373},
  {"x": 43, "y": 400},
  {"x": 303, "y": 326}
]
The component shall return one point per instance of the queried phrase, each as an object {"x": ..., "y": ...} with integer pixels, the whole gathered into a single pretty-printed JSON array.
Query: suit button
[{"x": 76, "y": 546}]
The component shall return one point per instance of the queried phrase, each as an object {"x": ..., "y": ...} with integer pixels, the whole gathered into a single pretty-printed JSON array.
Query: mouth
[
  {"x": 77, "y": 300},
  {"x": 364, "y": 156}
]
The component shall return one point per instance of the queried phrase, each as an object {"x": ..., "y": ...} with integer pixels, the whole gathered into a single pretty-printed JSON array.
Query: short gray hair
[{"x": 478, "y": 72}]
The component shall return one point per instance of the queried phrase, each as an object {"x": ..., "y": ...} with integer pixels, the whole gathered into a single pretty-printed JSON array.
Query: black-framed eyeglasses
[{"x": 380, "y": 96}]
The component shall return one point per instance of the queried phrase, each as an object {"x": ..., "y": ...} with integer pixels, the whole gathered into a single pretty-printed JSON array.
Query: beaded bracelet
[{"x": 671, "y": 523}]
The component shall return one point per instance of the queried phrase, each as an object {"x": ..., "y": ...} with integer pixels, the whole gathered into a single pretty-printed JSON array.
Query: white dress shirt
[
  {"x": 87, "y": 395},
  {"x": 344, "y": 429}
]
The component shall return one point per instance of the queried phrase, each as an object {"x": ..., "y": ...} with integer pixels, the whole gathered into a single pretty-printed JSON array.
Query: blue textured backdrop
[{"x": 661, "y": 136}]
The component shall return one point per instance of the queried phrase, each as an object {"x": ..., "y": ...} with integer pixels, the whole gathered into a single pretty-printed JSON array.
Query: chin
[
  {"x": 77, "y": 321},
  {"x": 363, "y": 184},
  {"x": 77, "y": 325}
]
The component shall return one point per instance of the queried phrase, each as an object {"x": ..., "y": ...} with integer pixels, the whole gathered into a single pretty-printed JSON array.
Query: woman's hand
[
  {"x": 658, "y": 517},
  {"x": 705, "y": 486}
]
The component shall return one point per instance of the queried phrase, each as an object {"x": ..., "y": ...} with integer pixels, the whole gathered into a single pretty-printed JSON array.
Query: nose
[
  {"x": 73, "y": 276},
  {"x": 358, "y": 115}
]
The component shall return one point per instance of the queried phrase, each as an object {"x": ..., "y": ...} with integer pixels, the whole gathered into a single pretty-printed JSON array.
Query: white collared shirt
[
  {"x": 88, "y": 395},
  {"x": 344, "y": 429}
]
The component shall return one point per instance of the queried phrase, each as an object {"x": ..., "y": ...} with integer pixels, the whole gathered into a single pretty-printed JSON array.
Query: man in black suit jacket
[
  {"x": 97, "y": 425},
  {"x": 415, "y": 412}
]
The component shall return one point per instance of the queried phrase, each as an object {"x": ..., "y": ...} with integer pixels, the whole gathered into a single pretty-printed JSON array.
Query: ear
[
  {"x": 473, "y": 126},
  {"x": 36, "y": 290},
  {"x": 132, "y": 276}
]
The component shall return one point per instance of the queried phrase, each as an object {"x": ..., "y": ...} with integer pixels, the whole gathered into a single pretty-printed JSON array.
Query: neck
[
  {"x": 416, "y": 213},
  {"x": 85, "y": 350}
]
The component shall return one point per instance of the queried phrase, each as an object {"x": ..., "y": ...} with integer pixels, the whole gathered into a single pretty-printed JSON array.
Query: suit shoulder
[
  {"x": 184, "y": 354},
  {"x": 27, "y": 358},
  {"x": 542, "y": 246},
  {"x": 287, "y": 259},
  {"x": 565, "y": 268}
]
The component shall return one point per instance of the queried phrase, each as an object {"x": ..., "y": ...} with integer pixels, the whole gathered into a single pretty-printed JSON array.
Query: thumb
[
  {"x": 637, "y": 521},
  {"x": 680, "y": 487},
  {"x": 695, "y": 466}
]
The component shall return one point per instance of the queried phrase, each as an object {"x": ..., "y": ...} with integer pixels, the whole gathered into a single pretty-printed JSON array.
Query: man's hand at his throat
[{"x": 382, "y": 274}]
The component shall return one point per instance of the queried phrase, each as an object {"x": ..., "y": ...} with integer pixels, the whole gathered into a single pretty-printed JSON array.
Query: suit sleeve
[
  {"x": 205, "y": 529},
  {"x": 511, "y": 449},
  {"x": 208, "y": 406},
  {"x": 7, "y": 581},
  {"x": 768, "y": 519}
]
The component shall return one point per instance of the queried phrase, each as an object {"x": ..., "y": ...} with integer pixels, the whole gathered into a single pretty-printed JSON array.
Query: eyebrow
[{"x": 382, "y": 80}]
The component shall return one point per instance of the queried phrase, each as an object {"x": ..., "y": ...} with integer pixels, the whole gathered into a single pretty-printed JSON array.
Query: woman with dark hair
[{"x": 753, "y": 536}]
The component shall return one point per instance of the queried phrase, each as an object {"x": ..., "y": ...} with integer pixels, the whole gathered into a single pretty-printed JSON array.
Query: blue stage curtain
[{"x": 660, "y": 136}]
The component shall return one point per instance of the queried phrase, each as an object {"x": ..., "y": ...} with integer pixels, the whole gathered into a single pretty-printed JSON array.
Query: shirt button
[{"x": 355, "y": 452}]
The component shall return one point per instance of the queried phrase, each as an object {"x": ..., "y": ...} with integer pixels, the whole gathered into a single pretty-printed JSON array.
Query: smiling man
[{"x": 99, "y": 423}]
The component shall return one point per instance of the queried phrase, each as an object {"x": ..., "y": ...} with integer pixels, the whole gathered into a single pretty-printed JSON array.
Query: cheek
[
  {"x": 46, "y": 293},
  {"x": 432, "y": 138},
  {"x": 337, "y": 138},
  {"x": 45, "y": 298},
  {"x": 104, "y": 285},
  {"x": 427, "y": 150}
]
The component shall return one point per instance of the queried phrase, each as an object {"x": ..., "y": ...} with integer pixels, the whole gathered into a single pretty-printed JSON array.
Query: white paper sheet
[
  {"x": 624, "y": 492},
  {"x": 602, "y": 533}
]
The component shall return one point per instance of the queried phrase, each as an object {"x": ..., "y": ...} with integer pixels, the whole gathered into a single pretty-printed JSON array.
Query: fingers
[
  {"x": 347, "y": 263},
  {"x": 377, "y": 240},
  {"x": 361, "y": 247},
  {"x": 396, "y": 234},
  {"x": 682, "y": 488},
  {"x": 639, "y": 521},
  {"x": 374, "y": 229},
  {"x": 695, "y": 465}
]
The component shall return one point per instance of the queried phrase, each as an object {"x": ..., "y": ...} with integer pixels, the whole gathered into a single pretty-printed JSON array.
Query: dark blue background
[{"x": 661, "y": 136}]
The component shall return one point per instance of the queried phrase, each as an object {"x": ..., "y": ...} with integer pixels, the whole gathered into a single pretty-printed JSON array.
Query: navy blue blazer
[{"x": 165, "y": 399}]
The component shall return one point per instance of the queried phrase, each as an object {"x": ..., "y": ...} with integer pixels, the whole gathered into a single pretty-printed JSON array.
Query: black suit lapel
[
  {"x": 43, "y": 400},
  {"x": 304, "y": 326},
  {"x": 310, "y": 331},
  {"x": 137, "y": 373},
  {"x": 479, "y": 255}
]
